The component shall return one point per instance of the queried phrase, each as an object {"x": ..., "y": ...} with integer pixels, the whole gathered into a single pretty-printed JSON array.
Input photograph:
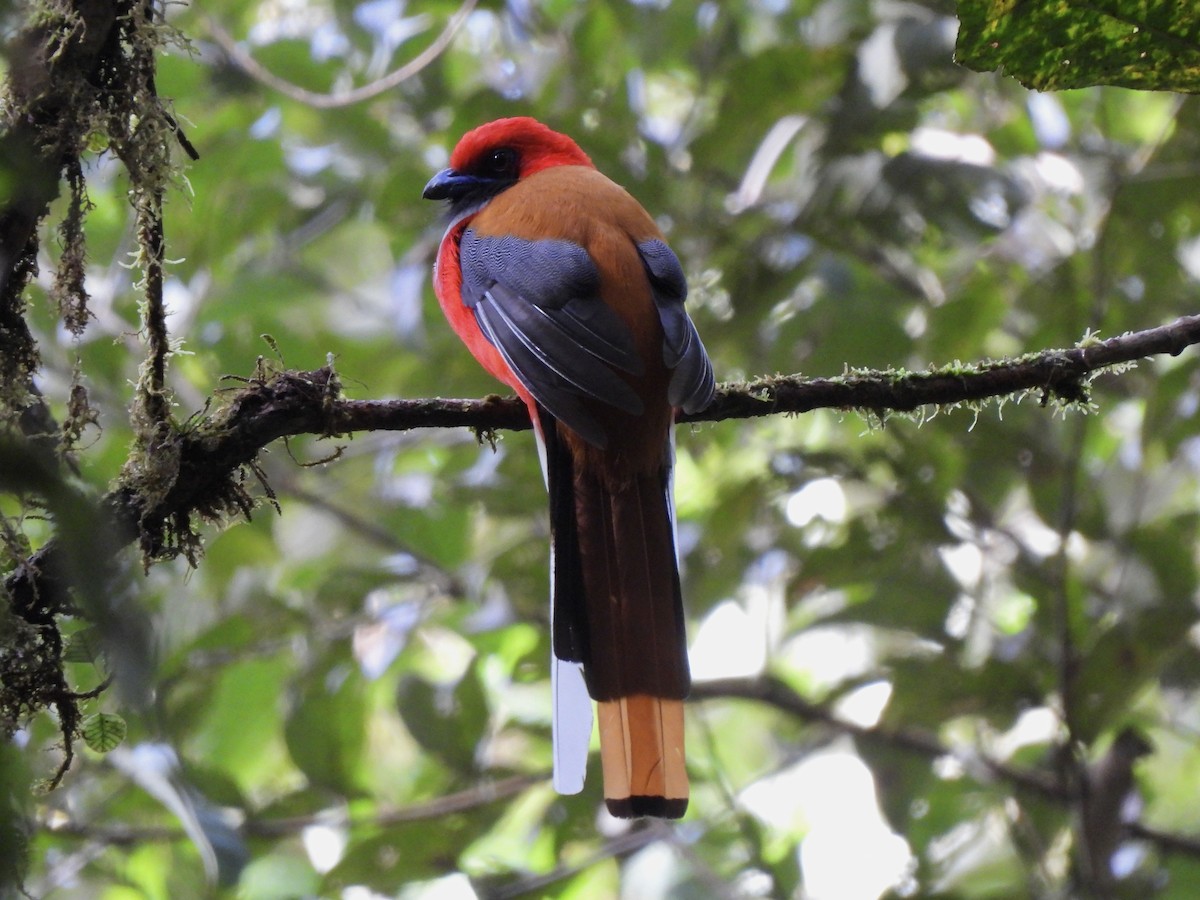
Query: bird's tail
[
  {"x": 637, "y": 666},
  {"x": 635, "y": 660},
  {"x": 618, "y": 611}
]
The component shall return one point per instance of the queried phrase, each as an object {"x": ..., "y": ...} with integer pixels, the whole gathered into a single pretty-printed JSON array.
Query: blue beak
[{"x": 450, "y": 184}]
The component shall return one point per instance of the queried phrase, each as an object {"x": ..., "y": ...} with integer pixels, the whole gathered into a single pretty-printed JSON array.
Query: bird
[{"x": 563, "y": 288}]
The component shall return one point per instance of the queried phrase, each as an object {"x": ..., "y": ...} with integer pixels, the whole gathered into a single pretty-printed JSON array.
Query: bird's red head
[
  {"x": 535, "y": 146},
  {"x": 495, "y": 156}
]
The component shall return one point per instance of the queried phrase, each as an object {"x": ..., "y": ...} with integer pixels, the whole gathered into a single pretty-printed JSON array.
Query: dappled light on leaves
[{"x": 931, "y": 580}]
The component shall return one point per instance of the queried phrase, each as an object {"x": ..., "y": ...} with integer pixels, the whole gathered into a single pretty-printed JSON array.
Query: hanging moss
[{"x": 80, "y": 81}]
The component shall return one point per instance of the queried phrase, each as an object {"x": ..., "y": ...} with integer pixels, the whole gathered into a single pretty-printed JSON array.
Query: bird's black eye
[{"x": 501, "y": 163}]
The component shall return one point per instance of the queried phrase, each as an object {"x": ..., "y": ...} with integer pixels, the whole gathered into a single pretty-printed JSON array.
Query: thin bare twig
[
  {"x": 480, "y": 795},
  {"x": 777, "y": 694},
  {"x": 461, "y": 801},
  {"x": 621, "y": 845},
  {"x": 256, "y": 70},
  {"x": 426, "y": 569}
]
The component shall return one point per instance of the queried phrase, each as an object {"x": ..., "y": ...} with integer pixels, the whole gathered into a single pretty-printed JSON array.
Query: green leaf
[
  {"x": 103, "y": 732},
  {"x": 448, "y": 721},
  {"x": 411, "y": 851},
  {"x": 325, "y": 730},
  {"x": 83, "y": 646},
  {"x": 233, "y": 715}
]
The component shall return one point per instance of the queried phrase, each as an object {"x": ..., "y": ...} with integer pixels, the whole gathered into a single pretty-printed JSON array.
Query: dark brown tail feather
[
  {"x": 570, "y": 637},
  {"x": 636, "y": 640},
  {"x": 619, "y": 611}
]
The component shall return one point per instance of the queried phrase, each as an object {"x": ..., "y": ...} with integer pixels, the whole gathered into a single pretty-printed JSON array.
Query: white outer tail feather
[
  {"x": 571, "y": 725},
  {"x": 571, "y": 719}
]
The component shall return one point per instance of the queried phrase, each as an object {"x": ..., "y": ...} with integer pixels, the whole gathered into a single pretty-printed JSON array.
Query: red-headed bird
[{"x": 562, "y": 286}]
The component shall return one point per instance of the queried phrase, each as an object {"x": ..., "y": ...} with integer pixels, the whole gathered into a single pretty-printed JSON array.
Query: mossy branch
[
  {"x": 1059, "y": 376},
  {"x": 210, "y": 455},
  {"x": 201, "y": 470}
]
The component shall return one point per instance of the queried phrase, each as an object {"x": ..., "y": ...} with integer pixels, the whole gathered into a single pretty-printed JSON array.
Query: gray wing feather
[
  {"x": 538, "y": 303},
  {"x": 692, "y": 384}
]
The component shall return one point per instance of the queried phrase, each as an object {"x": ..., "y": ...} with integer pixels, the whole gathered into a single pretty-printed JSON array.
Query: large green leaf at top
[{"x": 1143, "y": 44}]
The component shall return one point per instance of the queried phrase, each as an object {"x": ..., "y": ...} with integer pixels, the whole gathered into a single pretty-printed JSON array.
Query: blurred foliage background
[{"x": 351, "y": 695}]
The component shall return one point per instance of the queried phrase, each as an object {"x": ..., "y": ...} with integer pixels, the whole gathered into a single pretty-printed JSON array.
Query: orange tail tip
[{"x": 641, "y": 751}]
